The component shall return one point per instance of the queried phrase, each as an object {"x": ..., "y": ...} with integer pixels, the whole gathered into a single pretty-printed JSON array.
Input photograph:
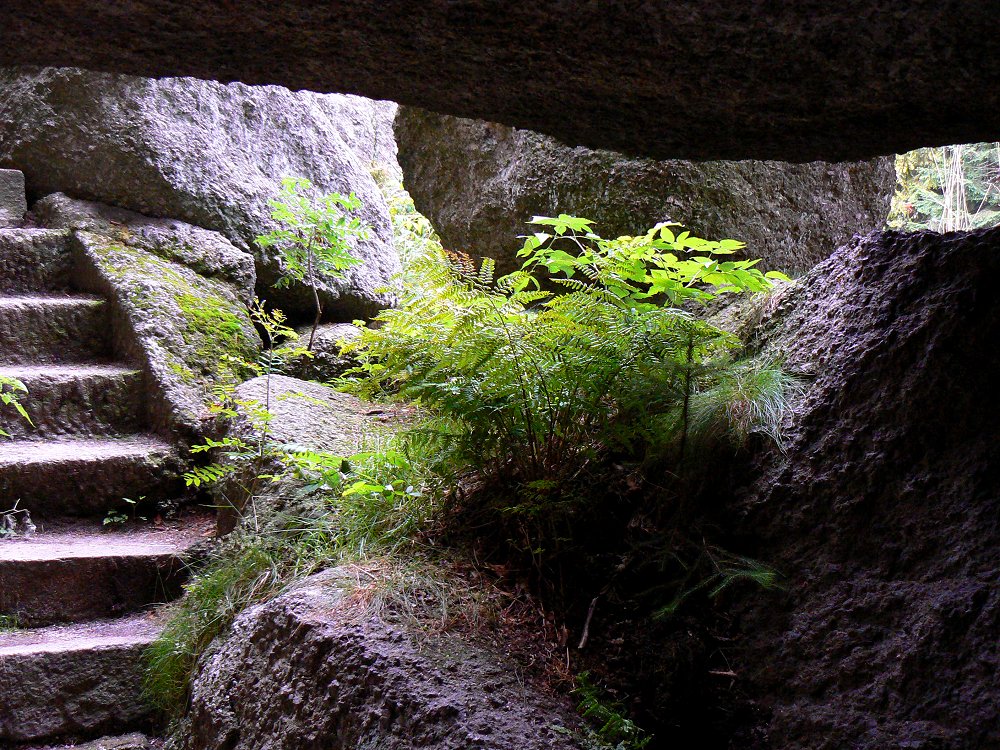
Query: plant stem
[{"x": 687, "y": 396}]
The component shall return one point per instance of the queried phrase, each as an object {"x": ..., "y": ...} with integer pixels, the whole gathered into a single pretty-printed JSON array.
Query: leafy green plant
[
  {"x": 8, "y": 623},
  {"x": 116, "y": 518},
  {"x": 710, "y": 572},
  {"x": 256, "y": 446},
  {"x": 540, "y": 382},
  {"x": 12, "y": 391},
  {"x": 16, "y": 522},
  {"x": 612, "y": 728},
  {"x": 314, "y": 236}
]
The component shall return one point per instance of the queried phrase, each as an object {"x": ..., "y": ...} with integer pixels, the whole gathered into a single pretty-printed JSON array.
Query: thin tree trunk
[
  {"x": 687, "y": 397},
  {"x": 319, "y": 308}
]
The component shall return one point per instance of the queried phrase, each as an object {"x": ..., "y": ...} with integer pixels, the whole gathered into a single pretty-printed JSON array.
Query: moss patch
[{"x": 194, "y": 330}]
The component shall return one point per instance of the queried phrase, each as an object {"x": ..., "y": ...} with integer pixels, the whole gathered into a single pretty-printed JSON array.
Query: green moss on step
[{"x": 199, "y": 326}]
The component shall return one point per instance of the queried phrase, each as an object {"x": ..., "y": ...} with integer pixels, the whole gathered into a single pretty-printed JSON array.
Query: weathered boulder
[
  {"x": 672, "y": 79},
  {"x": 207, "y": 154},
  {"x": 304, "y": 414},
  {"x": 314, "y": 415},
  {"x": 125, "y": 742},
  {"x": 479, "y": 182},
  {"x": 180, "y": 291},
  {"x": 312, "y": 669},
  {"x": 13, "y": 205},
  {"x": 882, "y": 513}
]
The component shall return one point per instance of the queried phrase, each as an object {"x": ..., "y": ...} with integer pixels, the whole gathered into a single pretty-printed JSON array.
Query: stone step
[
  {"x": 79, "y": 399},
  {"x": 79, "y": 681},
  {"x": 34, "y": 260},
  {"x": 77, "y": 477},
  {"x": 83, "y": 572},
  {"x": 44, "y": 329}
]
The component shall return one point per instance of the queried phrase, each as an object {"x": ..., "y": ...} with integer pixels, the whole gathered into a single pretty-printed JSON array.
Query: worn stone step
[
  {"x": 35, "y": 260},
  {"x": 79, "y": 681},
  {"x": 85, "y": 476},
  {"x": 80, "y": 399},
  {"x": 83, "y": 572},
  {"x": 39, "y": 329}
]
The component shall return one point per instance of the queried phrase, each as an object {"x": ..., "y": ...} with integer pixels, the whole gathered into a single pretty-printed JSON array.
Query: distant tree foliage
[{"x": 947, "y": 189}]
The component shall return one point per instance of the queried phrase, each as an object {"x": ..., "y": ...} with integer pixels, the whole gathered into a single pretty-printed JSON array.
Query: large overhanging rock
[
  {"x": 796, "y": 80},
  {"x": 479, "y": 182},
  {"x": 208, "y": 154}
]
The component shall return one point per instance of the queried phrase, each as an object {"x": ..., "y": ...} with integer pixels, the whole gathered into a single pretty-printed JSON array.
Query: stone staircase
[{"x": 76, "y": 601}]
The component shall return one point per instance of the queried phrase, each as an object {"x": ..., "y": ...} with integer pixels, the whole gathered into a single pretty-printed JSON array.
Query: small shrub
[
  {"x": 612, "y": 729},
  {"x": 12, "y": 391},
  {"x": 314, "y": 237},
  {"x": 367, "y": 506}
]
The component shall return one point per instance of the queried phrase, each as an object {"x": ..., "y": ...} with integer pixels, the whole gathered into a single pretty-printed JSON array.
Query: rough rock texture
[
  {"x": 180, "y": 290},
  {"x": 326, "y": 363},
  {"x": 34, "y": 260},
  {"x": 310, "y": 670},
  {"x": 80, "y": 574},
  {"x": 797, "y": 81},
  {"x": 13, "y": 204},
  {"x": 53, "y": 329},
  {"x": 207, "y": 154},
  {"x": 125, "y": 742},
  {"x": 479, "y": 182},
  {"x": 313, "y": 415},
  {"x": 86, "y": 476},
  {"x": 78, "y": 400},
  {"x": 884, "y": 513}
]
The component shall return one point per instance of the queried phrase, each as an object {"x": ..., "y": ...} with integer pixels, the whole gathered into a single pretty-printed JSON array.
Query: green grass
[
  {"x": 370, "y": 507},
  {"x": 8, "y": 623}
]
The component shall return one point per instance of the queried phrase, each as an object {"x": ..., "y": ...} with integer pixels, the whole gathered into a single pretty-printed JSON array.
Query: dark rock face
[
  {"x": 207, "y": 154},
  {"x": 796, "y": 81},
  {"x": 479, "y": 183},
  {"x": 884, "y": 513},
  {"x": 305, "y": 671}
]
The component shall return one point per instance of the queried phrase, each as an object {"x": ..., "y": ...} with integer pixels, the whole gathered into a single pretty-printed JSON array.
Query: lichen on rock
[{"x": 209, "y": 154}]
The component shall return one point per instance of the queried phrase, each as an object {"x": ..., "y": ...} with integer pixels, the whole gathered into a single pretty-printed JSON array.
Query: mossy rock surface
[
  {"x": 306, "y": 415},
  {"x": 340, "y": 674},
  {"x": 180, "y": 295}
]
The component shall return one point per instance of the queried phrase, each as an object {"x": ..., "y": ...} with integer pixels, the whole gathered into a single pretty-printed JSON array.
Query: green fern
[
  {"x": 713, "y": 571},
  {"x": 542, "y": 380},
  {"x": 612, "y": 729}
]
